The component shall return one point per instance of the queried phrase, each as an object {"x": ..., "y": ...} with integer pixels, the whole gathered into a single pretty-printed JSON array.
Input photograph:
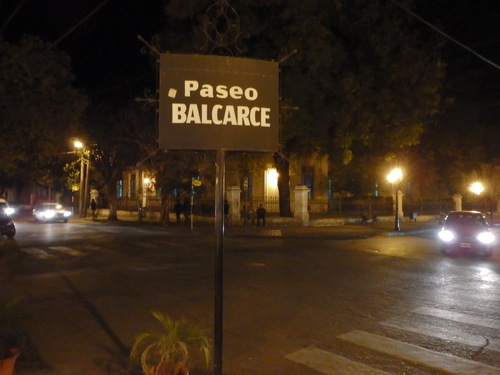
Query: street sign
[{"x": 218, "y": 103}]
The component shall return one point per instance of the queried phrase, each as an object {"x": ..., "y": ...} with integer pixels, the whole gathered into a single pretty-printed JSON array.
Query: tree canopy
[
  {"x": 39, "y": 108},
  {"x": 363, "y": 80},
  {"x": 117, "y": 139}
]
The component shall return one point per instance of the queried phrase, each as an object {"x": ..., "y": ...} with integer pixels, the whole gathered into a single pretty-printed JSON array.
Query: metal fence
[{"x": 349, "y": 207}]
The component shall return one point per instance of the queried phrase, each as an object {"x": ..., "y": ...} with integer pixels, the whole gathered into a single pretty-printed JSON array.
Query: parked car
[
  {"x": 4, "y": 205},
  {"x": 466, "y": 232},
  {"x": 51, "y": 212},
  {"x": 7, "y": 226}
]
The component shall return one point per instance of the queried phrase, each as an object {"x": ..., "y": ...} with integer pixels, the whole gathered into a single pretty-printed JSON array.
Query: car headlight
[
  {"x": 446, "y": 235},
  {"x": 49, "y": 213},
  {"x": 486, "y": 238},
  {"x": 67, "y": 214},
  {"x": 9, "y": 210}
]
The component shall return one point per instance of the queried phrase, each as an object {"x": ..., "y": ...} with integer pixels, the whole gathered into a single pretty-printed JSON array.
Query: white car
[
  {"x": 6, "y": 208},
  {"x": 51, "y": 211}
]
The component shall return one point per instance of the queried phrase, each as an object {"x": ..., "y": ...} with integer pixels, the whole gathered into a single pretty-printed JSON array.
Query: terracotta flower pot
[{"x": 7, "y": 364}]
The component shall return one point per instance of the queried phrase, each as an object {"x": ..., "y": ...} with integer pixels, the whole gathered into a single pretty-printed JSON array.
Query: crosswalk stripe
[
  {"x": 67, "y": 250},
  {"x": 92, "y": 247},
  {"x": 39, "y": 253},
  {"x": 440, "y": 361},
  {"x": 458, "y": 317},
  {"x": 331, "y": 364},
  {"x": 441, "y": 333}
]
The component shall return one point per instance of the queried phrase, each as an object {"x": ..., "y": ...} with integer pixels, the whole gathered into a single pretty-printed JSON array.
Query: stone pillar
[
  {"x": 457, "y": 202},
  {"x": 233, "y": 198},
  {"x": 301, "y": 213},
  {"x": 94, "y": 194}
]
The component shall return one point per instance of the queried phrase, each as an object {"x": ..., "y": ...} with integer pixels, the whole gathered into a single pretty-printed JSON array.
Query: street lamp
[
  {"x": 394, "y": 177},
  {"x": 79, "y": 149},
  {"x": 78, "y": 144},
  {"x": 477, "y": 188}
]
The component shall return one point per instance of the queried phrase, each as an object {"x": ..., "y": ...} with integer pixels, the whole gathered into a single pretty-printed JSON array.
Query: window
[
  {"x": 330, "y": 189},
  {"x": 248, "y": 189},
  {"x": 119, "y": 189},
  {"x": 271, "y": 184},
  {"x": 132, "y": 191}
]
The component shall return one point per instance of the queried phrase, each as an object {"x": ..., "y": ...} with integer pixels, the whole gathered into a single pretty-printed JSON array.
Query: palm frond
[{"x": 168, "y": 348}]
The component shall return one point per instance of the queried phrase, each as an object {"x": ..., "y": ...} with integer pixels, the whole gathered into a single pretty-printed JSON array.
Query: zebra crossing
[
  {"x": 55, "y": 252},
  {"x": 330, "y": 363}
]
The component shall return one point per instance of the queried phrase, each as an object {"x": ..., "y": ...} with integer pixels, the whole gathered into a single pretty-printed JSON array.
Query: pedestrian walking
[
  {"x": 93, "y": 208},
  {"x": 261, "y": 215},
  {"x": 178, "y": 208}
]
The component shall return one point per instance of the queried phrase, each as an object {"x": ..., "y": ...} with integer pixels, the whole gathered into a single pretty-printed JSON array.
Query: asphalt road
[{"x": 331, "y": 301}]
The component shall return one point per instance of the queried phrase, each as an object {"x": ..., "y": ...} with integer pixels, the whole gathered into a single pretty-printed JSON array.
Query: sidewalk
[{"x": 338, "y": 230}]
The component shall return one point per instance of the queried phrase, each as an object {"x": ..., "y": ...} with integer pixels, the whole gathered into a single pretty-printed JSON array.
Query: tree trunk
[
  {"x": 282, "y": 165},
  {"x": 112, "y": 210},
  {"x": 111, "y": 188}
]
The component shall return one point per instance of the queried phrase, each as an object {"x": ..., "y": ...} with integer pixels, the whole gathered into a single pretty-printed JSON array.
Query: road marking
[
  {"x": 458, "y": 317},
  {"x": 330, "y": 364},
  {"x": 39, "y": 253},
  {"x": 254, "y": 264},
  {"x": 67, "y": 250},
  {"x": 433, "y": 331},
  {"x": 272, "y": 233},
  {"x": 92, "y": 247},
  {"x": 440, "y": 361}
]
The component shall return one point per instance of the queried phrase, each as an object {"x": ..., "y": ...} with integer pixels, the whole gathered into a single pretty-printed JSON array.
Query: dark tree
[
  {"x": 363, "y": 78},
  {"x": 117, "y": 139},
  {"x": 39, "y": 109}
]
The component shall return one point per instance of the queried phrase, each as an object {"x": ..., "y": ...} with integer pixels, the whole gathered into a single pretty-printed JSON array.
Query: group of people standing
[{"x": 182, "y": 208}]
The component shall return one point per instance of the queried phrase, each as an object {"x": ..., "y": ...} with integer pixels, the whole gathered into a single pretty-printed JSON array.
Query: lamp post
[
  {"x": 79, "y": 149},
  {"x": 394, "y": 177},
  {"x": 477, "y": 188}
]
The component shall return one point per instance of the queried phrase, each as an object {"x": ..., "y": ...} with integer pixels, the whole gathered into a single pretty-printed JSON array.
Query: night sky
[
  {"x": 107, "y": 61},
  {"x": 105, "y": 52},
  {"x": 473, "y": 82}
]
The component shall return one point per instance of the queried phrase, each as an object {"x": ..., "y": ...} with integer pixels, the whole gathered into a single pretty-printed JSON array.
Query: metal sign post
[
  {"x": 218, "y": 103},
  {"x": 219, "y": 260}
]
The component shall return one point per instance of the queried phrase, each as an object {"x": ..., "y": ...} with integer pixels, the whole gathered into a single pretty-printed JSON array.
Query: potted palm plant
[
  {"x": 166, "y": 351},
  {"x": 15, "y": 323}
]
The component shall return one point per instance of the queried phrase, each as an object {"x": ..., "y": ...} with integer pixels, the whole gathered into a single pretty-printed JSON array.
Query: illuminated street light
[
  {"x": 79, "y": 149},
  {"x": 477, "y": 188},
  {"x": 78, "y": 144},
  {"x": 394, "y": 178}
]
